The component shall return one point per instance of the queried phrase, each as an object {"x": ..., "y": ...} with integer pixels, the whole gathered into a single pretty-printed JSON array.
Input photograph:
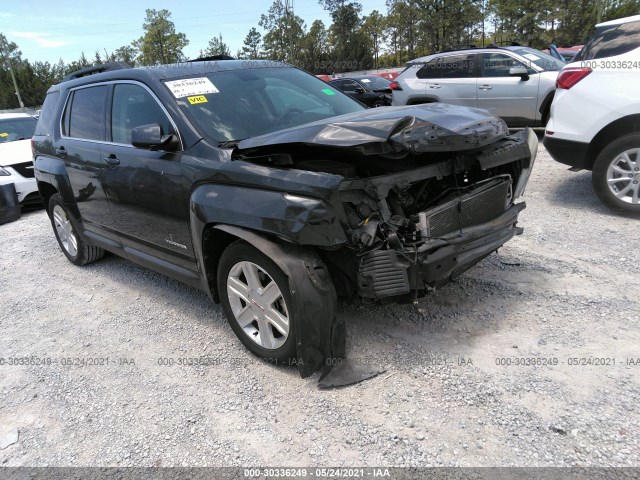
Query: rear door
[
  {"x": 452, "y": 79},
  {"x": 511, "y": 97},
  {"x": 82, "y": 135}
]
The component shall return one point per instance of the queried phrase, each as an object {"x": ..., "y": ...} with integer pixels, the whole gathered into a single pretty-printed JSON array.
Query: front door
[
  {"x": 145, "y": 188},
  {"x": 511, "y": 97}
]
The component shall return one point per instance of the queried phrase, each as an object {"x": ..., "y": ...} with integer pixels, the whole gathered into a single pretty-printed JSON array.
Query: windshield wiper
[{"x": 229, "y": 143}]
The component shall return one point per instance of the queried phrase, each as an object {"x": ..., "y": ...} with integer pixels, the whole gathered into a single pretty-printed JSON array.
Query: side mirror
[
  {"x": 553, "y": 51},
  {"x": 359, "y": 90},
  {"x": 519, "y": 72},
  {"x": 150, "y": 136}
]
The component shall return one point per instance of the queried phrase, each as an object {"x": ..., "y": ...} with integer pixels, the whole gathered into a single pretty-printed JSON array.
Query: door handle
[
  {"x": 435, "y": 85},
  {"x": 111, "y": 159},
  {"x": 485, "y": 87},
  {"x": 61, "y": 152}
]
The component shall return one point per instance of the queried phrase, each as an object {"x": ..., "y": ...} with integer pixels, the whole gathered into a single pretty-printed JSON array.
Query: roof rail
[
  {"x": 103, "y": 67},
  {"x": 454, "y": 48},
  {"x": 211, "y": 58},
  {"x": 504, "y": 43}
]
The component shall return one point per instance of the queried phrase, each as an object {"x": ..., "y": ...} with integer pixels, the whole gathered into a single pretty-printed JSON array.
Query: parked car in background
[
  {"x": 566, "y": 54},
  {"x": 372, "y": 90},
  {"x": 9, "y": 206},
  {"x": 273, "y": 191},
  {"x": 16, "y": 164},
  {"x": 515, "y": 83},
  {"x": 595, "y": 115}
]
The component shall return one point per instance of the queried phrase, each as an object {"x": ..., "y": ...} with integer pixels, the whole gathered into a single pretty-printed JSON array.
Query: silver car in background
[{"x": 516, "y": 83}]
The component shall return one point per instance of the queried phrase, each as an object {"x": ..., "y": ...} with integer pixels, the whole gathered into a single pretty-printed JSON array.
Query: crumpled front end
[
  {"x": 426, "y": 191},
  {"x": 416, "y": 230}
]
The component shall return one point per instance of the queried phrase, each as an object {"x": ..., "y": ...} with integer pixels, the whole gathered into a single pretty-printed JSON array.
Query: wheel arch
[
  {"x": 545, "y": 107},
  {"x": 319, "y": 334},
  {"x": 616, "y": 129},
  {"x": 47, "y": 190},
  {"x": 422, "y": 100}
]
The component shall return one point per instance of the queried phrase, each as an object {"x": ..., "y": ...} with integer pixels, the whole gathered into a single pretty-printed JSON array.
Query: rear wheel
[
  {"x": 256, "y": 300},
  {"x": 64, "y": 227},
  {"x": 616, "y": 174}
]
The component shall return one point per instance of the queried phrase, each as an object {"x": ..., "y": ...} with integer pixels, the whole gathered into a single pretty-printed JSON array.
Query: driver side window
[
  {"x": 499, "y": 64},
  {"x": 349, "y": 86},
  {"x": 134, "y": 106}
]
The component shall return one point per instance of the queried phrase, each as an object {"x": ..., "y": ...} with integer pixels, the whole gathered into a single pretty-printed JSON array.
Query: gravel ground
[{"x": 567, "y": 289}]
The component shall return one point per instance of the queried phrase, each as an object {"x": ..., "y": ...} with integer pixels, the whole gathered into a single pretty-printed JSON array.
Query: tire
[
  {"x": 377, "y": 103},
  {"x": 66, "y": 231},
  {"x": 545, "y": 116},
  {"x": 616, "y": 174},
  {"x": 266, "y": 328}
]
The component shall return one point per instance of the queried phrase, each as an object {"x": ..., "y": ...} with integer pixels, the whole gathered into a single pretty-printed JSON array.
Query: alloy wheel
[
  {"x": 258, "y": 305},
  {"x": 623, "y": 176},
  {"x": 65, "y": 232}
]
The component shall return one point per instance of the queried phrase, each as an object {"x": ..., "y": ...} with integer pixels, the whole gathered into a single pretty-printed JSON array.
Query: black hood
[{"x": 433, "y": 127}]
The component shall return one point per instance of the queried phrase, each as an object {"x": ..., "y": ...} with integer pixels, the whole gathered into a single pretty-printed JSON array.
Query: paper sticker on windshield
[
  {"x": 197, "y": 99},
  {"x": 365, "y": 80},
  {"x": 191, "y": 87},
  {"x": 531, "y": 56},
  {"x": 4, "y": 134},
  {"x": 328, "y": 91}
]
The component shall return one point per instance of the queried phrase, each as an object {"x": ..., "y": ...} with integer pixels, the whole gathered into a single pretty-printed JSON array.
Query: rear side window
[
  {"x": 45, "y": 122},
  {"x": 451, "y": 66},
  {"x": 86, "y": 113},
  {"x": 610, "y": 42},
  {"x": 430, "y": 70}
]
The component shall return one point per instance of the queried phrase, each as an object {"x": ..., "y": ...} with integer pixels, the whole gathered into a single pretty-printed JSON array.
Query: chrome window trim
[{"x": 115, "y": 82}]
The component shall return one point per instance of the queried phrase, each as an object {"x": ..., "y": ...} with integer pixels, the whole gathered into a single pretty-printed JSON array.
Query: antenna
[{"x": 288, "y": 6}]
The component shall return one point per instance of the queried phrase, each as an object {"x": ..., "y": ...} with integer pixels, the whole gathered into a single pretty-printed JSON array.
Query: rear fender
[{"x": 52, "y": 171}]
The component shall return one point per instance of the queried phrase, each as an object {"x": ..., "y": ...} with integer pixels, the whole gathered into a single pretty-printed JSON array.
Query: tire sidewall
[
  {"x": 242, "y": 251},
  {"x": 601, "y": 166}
]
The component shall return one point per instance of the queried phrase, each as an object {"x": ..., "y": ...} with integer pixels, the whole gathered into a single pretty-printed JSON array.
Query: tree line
[{"x": 353, "y": 40}]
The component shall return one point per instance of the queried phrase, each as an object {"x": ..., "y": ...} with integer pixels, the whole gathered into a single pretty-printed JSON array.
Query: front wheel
[
  {"x": 616, "y": 174},
  {"x": 257, "y": 303},
  {"x": 72, "y": 245}
]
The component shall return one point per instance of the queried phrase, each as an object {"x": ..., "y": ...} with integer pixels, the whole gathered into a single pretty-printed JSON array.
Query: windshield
[
  {"x": 610, "y": 41},
  {"x": 375, "y": 83},
  {"x": 13, "y": 129},
  {"x": 239, "y": 104},
  {"x": 541, "y": 59}
]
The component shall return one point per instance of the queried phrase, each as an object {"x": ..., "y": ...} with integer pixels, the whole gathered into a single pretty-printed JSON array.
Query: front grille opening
[{"x": 481, "y": 205}]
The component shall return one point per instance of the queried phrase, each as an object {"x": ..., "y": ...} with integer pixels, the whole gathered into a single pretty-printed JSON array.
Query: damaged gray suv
[{"x": 274, "y": 192}]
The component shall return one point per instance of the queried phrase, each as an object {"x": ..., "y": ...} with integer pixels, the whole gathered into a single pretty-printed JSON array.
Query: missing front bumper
[{"x": 393, "y": 273}]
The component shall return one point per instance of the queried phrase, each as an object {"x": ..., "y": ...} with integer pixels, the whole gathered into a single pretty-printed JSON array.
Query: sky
[{"x": 50, "y": 30}]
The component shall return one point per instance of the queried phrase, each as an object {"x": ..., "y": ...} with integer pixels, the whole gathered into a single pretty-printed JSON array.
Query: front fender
[
  {"x": 320, "y": 335},
  {"x": 295, "y": 218}
]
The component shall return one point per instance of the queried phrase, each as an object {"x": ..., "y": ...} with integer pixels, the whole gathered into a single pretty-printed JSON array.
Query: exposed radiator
[{"x": 479, "y": 206}]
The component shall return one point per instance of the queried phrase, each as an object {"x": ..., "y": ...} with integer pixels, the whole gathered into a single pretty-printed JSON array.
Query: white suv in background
[
  {"x": 595, "y": 114},
  {"x": 16, "y": 158},
  {"x": 515, "y": 83}
]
